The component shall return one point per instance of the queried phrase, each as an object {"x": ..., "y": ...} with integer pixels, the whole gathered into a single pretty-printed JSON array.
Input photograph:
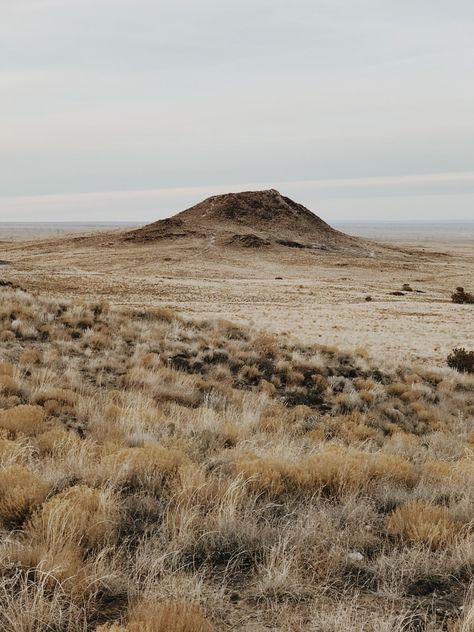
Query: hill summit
[{"x": 248, "y": 219}]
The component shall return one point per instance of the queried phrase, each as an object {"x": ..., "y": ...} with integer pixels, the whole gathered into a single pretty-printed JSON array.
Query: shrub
[
  {"x": 460, "y": 296},
  {"x": 461, "y": 360}
]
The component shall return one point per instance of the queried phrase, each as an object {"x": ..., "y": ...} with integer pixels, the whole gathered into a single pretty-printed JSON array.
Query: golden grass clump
[
  {"x": 79, "y": 515},
  {"x": 8, "y": 385},
  {"x": 30, "y": 357},
  {"x": 393, "y": 469},
  {"x": 353, "y": 430},
  {"x": 397, "y": 388},
  {"x": 420, "y": 522},
  {"x": 7, "y": 336},
  {"x": 24, "y": 419},
  {"x": 159, "y": 314},
  {"x": 11, "y": 452},
  {"x": 62, "y": 395},
  {"x": 150, "y": 361},
  {"x": 266, "y": 344},
  {"x": 7, "y": 369},
  {"x": 335, "y": 471},
  {"x": 165, "y": 616},
  {"x": 340, "y": 470},
  {"x": 457, "y": 472},
  {"x": 21, "y": 492},
  {"x": 64, "y": 567},
  {"x": 265, "y": 474},
  {"x": 98, "y": 341},
  {"x": 152, "y": 467},
  {"x": 56, "y": 441},
  {"x": 250, "y": 373}
]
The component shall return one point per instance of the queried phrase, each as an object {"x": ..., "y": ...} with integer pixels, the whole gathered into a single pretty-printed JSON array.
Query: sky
[{"x": 131, "y": 110}]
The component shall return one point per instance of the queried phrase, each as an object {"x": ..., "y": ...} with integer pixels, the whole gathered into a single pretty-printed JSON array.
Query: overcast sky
[{"x": 134, "y": 109}]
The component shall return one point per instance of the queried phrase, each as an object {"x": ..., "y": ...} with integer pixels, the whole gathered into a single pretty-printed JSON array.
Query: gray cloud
[{"x": 118, "y": 95}]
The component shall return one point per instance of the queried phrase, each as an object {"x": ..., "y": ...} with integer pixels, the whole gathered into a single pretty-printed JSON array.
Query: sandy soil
[{"x": 319, "y": 297}]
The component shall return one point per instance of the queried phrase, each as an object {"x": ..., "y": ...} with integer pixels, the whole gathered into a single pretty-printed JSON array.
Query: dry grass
[
  {"x": 24, "y": 419},
  {"x": 167, "y": 616},
  {"x": 159, "y": 473},
  {"x": 20, "y": 493},
  {"x": 79, "y": 515},
  {"x": 151, "y": 467},
  {"x": 417, "y": 521}
]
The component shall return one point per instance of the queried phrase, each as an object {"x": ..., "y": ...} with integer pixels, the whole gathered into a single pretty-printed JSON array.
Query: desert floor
[{"x": 316, "y": 297}]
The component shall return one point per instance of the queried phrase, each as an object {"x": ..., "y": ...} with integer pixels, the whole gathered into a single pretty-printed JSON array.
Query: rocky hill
[{"x": 251, "y": 219}]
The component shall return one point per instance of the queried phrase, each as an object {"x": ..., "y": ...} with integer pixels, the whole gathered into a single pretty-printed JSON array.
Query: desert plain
[
  {"x": 317, "y": 297},
  {"x": 236, "y": 418}
]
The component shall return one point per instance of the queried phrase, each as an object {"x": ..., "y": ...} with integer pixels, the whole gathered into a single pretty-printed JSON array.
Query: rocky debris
[{"x": 249, "y": 241}]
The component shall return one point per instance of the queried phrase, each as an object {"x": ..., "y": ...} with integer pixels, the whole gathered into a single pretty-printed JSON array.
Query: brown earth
[{"x": 251, "y": 219}]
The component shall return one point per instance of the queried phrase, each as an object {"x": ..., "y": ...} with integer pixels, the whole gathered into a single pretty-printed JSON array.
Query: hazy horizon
[
  {"x": 360, "y": 110},
  {"x": 338, "y": 222},
  {"x": 378, "y": 230}
]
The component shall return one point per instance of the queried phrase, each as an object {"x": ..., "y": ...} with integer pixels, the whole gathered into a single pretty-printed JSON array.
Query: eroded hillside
[{"x": 253, "y": 219}]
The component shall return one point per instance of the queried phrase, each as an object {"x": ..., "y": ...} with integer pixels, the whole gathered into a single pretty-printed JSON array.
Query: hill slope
[{"x": 250, "y": 219}]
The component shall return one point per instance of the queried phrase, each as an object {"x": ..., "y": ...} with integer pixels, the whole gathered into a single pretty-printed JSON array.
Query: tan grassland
[
  {"x": 319, "y": 298},
  {"x": 190, "y": 444}
]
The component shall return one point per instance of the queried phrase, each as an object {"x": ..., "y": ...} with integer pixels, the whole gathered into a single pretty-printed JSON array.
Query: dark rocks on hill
[{"x": 249, "y": 241}]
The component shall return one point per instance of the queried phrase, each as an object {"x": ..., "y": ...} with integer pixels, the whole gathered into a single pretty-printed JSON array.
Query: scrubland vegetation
[
  {"x": 461, "y": 360},
  {"x": 461, "y": 296},
  {"x": 164, "y": 474}
]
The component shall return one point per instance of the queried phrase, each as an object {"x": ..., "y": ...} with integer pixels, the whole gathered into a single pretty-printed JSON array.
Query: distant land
[{"x": 381, "y": 229}]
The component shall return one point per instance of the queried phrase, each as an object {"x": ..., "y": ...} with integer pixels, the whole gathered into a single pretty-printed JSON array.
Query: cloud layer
[{"x": 333, "y": 101}]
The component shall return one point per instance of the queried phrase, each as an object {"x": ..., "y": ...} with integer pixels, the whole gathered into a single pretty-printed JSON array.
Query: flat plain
[{"x": 316, "y": 297}]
